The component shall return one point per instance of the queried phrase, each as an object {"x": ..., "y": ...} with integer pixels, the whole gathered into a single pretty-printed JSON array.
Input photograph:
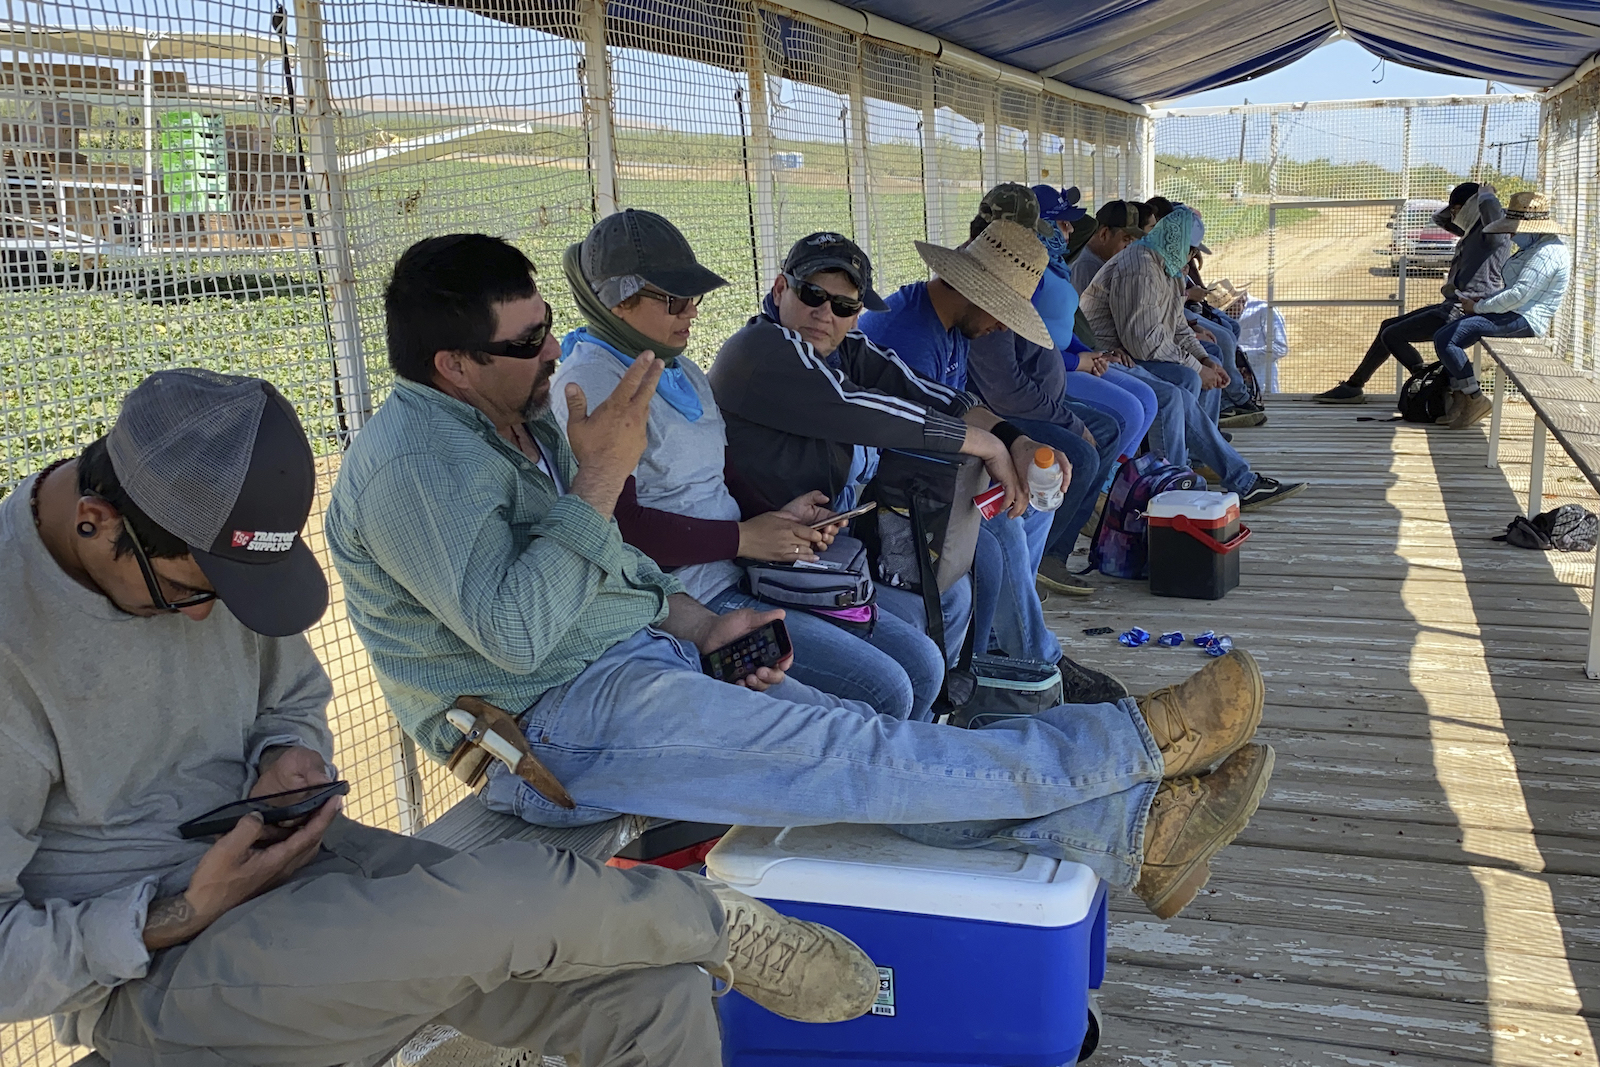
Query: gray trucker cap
[
  {"x": 221, "y": 463},
  {"x": 643, "y": 244}
]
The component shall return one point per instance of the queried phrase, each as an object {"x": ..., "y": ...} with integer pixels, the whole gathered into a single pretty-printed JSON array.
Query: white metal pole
[
  {"x": 933, "y": 194},
  {"x": 1591, "y": 666},
  {"x": 1036, "y": 140},
  {"x": 1405, "y": 154},
  {"x": 1536, "y": 469},
  {"x": 1496, "y": 409},
  {"x": 860, "y": 186},
  {"x": 1147, "y": 159},
  {"x": 148, "y": 216},
  {"x": 332, "y": 200},
  {"x": 761, "y": 150},
  {"x": 602, "y": 127},
  {"x": 991, "y": 138}
]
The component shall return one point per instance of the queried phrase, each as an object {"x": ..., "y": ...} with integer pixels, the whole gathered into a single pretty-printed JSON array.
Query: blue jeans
[
  {"x": 1127, "y": 399},
  {"x": 1166, "y": 429},
  {"x": 1226, "y": 351},
  {"x": 1091, "y": 464},
  {"x": 1197, "y": 422},
  {"x": 642, "y": 731},
  {"x": 955, "y": 606},
  {"x": 1454, "y": 338},
  {"x": 895, "y": 669},
  {"x": 1006, "y": 612}
]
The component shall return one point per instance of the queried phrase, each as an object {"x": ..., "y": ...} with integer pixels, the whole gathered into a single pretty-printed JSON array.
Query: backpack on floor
[
  {"x": 1120, "y": 548},
  {"x": 1247, "y": 374},
  {"x": 1423, "y": 396}
]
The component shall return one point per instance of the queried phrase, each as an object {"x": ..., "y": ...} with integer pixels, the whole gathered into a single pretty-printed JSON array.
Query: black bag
[
  {"x": 1422, "y": 398},
  {"x": 998, "y": 688},
  {"x": 839, "y": 579},
  {"x": 1569, "y": 528},
  {"x": 930, "y": 490}
]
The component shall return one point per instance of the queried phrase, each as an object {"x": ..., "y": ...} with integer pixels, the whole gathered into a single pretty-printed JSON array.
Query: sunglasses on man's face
[
  {"x": 528, "y": 346},
  {"x": 813, "y": 295},
  {"x": 676, "y": 305}
]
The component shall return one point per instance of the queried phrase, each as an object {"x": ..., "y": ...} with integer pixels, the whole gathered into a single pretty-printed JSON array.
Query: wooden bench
[
  {"x": 1566, "y": 405},
  {"x": 470, "y": 825}
]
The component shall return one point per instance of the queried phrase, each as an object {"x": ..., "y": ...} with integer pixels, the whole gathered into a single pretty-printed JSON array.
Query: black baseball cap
[
  {"x": 834, "y": 251},
  {"x": 220, "y": 462},
  {"x": 642, "y": 243}
]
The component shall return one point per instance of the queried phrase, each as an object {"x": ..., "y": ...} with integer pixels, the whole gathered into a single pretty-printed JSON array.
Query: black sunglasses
[
  {"x": 157, "y": 599},
  {"x": 813, "y": 295},
  {"x": 676, "y": 305},
  {"x": 529, "y": 346}
]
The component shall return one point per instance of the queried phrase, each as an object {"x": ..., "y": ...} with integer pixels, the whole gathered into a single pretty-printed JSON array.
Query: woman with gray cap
[{"x": 638, "y": 285}]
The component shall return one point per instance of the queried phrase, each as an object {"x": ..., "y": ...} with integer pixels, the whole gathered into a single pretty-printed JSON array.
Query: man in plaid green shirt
[{"x": 479, "y": 556}]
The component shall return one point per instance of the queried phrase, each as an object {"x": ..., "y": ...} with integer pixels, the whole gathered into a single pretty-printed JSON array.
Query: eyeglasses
[
  {"x": 813, "y": 295},
  {"x": 160, "y": 602},
  {"x": 676, "y": 305},
  {"x": 529, "y": 346}
]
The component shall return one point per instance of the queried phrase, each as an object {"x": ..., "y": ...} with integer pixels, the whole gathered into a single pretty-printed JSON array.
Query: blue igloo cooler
[{"x": 984, "y": 958}]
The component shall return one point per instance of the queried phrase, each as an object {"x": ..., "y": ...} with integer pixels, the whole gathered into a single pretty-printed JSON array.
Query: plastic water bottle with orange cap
[{"x": 1044, "y": 480}]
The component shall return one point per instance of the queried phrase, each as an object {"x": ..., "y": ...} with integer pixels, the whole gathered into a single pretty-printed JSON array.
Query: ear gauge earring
[{"x": 86, "y": 529}]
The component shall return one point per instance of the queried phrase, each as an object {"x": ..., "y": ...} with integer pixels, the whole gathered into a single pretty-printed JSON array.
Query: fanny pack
[
  {"x": 1000, "y": 687},
  {"x": 840, "y": 579}
]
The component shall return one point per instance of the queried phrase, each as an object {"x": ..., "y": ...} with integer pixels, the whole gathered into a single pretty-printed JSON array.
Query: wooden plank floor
[{"x": 1422, "y": 882}]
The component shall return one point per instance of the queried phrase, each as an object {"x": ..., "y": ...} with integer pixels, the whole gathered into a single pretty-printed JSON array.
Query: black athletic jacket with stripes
[{"x": 794, "y": 416}]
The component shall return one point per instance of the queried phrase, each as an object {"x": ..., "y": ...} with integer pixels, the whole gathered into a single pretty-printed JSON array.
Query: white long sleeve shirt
[{"x": 1535, "y": 281}]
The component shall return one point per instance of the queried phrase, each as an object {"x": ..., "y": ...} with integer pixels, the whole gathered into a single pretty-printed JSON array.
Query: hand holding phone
[
  {"x": 765, "y": 646},
  {"x": 275, "y": 809},
  {"x": 844, "y": 516}
]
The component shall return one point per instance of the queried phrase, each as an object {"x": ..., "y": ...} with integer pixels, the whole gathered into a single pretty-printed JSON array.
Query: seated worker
[
  {"x": 1135, "y": 305},
  {"x": 478, "y": 555},
  {"x": 983, "y": 288},
  {"x": 1474, "y": 273},
  {"x": 677, "y": 507},
  {"x": 1535, "y": 278},
  {"x": 1219, "y": 335},
  {"x": 1026, "y": 384},
  {"x": 155, "y": 589},
  {"x": 1116, "y": 227}
]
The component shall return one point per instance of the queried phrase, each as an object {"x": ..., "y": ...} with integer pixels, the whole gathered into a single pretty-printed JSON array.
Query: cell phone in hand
[
  {"x": 274, "y": 809},
  {"x": 844, "y": 516},
  {"x": 765, "y": 646}
]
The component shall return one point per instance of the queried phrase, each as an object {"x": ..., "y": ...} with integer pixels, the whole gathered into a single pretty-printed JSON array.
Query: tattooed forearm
[{"x": 170, "y": 921}]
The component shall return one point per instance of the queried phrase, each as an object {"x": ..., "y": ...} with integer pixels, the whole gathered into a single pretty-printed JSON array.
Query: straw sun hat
[
  {"x": 998, "y": 270},
  {"x": 1525, "y": 213}
]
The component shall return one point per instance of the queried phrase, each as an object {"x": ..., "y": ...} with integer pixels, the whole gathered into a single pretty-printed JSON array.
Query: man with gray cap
[
  {"x": 480, "y": 555},
  {"x": 153, "y": 591}
]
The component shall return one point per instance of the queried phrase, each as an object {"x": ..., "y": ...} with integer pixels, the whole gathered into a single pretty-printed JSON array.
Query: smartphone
[
  {"x": 765, "y": 646},
  {"x": 844, "y": 516},
  {"x": 274, "y": 809}
]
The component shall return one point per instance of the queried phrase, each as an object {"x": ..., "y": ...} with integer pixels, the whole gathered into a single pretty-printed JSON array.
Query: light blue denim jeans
[
  {"x": 895, "y": 668},
  {"x": 1202, "y": 439},
  {"x": 1227, "y": 346},
  {"x": 1128, "y": 400},
  {"x": 955, "y": 605},
  {"x": 642, "y": 731},
  {"x": 1166, "y": 428},
  {"x": 1005, "y": 602}
]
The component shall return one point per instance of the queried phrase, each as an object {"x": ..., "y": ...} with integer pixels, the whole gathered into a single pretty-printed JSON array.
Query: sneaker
[
  {"x": 799, "y": 970},
  {"x": 1055, "y": 576},
  {"x": 1191, "y": 819},
  {"x": 1242, "y": 418},
  {"x": 1211, "y": 715},
  {"x": 1473, "y": 407},
  {"x": 1341, "y": 394},
  {"x": 1085, "y": 685},
  {"x": 1206, "y": 472},
  {"x": 1269, "y": 491},
  {"x": 1226, "y": 436}
]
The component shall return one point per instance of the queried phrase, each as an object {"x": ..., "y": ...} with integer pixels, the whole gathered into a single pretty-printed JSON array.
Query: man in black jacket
[{"x": 1474, "y": 273}]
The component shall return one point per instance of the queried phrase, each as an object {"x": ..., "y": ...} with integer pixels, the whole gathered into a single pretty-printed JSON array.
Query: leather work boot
[
  {"x": 1452, "y": 404},
  {"x": 799, "y": 970},
  {"x": 1474, "y": 406},
  {"x": 1200, "y": 720},
  {"x": 1191, "y": 820}
]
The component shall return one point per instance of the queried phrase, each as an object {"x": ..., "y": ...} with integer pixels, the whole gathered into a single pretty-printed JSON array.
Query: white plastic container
[
  {"x": 1044, "y": 481},
  {"x": 984, "y": 957}
]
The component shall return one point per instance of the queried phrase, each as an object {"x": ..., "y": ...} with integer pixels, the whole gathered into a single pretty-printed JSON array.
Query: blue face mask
[{"x": 1524, "y": 241}]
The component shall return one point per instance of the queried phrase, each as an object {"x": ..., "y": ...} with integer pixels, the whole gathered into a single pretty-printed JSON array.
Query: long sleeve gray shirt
[{"x": 115, "y": 729}]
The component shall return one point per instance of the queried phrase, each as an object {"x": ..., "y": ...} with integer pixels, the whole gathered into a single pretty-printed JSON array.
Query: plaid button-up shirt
[{"x": 467, "y": 572}]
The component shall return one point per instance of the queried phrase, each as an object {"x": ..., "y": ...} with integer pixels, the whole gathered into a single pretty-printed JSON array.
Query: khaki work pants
[{"x": 516, "y": 944}]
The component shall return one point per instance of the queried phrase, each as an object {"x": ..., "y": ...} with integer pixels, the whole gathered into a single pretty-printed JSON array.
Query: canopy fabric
[{"x": 1149, "y": 50}]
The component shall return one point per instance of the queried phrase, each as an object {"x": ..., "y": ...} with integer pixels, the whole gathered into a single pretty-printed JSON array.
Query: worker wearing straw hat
[{"x": 1535, "y": 279}]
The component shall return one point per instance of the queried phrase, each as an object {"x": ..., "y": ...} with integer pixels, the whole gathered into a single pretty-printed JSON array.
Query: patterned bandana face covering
[{"x": 1170, "y": 240}]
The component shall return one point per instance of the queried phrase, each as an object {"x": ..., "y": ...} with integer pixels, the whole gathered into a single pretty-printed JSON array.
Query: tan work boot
[
  {"x": 1191, "y": 820},
  {"x": 799, "y": 970},
  {"x": 1474, "y": 406},
  {"x": 1199, "y": 721}
]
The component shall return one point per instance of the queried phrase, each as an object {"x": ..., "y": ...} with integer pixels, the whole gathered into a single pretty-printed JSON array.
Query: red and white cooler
[{"x": 1194, "y": 543}]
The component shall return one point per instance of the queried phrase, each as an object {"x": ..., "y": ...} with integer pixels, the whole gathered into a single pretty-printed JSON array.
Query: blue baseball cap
[{"x": 1059, "y": 205}]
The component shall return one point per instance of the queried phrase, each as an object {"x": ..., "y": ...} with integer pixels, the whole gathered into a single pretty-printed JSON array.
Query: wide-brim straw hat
[
  {"x": 998, "y": 270},
  {"x": 1525, "y": 213}
]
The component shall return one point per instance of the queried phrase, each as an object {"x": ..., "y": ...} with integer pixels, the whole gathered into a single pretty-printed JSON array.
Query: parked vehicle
[{"x": 1423, "y": 243}]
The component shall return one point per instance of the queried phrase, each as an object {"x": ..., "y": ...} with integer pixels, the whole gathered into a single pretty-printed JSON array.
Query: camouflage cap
[{"x": 1009, "y": 200}]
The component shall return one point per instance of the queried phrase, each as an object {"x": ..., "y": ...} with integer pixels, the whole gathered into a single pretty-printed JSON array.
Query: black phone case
[
  {"x": 781, "y": 642},
  {"x": 221, "y": 820}
]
